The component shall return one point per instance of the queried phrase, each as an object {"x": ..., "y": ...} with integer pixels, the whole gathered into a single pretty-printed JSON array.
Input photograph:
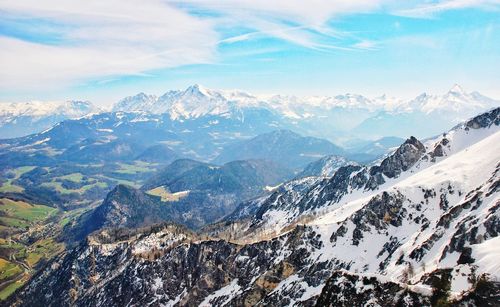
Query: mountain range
[
  {"x": 419, "y": 227},
  {"x": 339, "y": 118}
]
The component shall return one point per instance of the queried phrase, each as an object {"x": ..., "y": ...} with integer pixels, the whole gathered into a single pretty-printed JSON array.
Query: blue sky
[{"x": 105, "y": 50}]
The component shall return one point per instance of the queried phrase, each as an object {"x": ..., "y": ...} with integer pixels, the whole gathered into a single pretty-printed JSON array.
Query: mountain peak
[
  {"x": 457, "y": 89},
  {"x": 284, "y": 132},
  {"x": 197, "y": 89}
]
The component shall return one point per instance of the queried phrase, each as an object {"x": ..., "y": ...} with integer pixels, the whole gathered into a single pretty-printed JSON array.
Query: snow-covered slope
[
  {"x": 17, "y": 119},
  {"x": 356, "y": 182}
]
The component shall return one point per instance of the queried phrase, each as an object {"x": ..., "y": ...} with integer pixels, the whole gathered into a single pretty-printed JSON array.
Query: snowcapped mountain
[
  {"x": 139, "y": 102},
  {"x": 333, "y": 117},
  {"x": 425, "y": 115},
  {"x": 17, "y": 119},
  {"x": 196, "y": 101},
  {"x": 456, "y": 101},
  {"x": 418, "y": 229}
]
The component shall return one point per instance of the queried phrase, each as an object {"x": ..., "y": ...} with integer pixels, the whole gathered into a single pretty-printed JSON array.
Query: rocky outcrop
[
  {"x": 485, "y": 120},
  {"x": 346, "y": 289},
  {"x": 405, "y": 157}
]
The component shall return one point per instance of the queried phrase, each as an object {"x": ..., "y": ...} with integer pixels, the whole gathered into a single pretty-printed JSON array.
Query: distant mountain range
[
  {"x": 329, "y": 117},
  {"x": 202, "y": 197},
  {"x": 338, "y": 118},
  {"x": 156, "y": 138},
  {"x": 18, "y": 119},
  {"x": 281, "y": 146}
]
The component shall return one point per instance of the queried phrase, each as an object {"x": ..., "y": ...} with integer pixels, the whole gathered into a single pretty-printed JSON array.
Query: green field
[
  {"x": 42, "y": 249},
  {"x": 9, "y": 269},
  {"x": 17, "y": 219},
  {"x": 32, "y": 254},
  {"x": 59, "y": 188},
  {"x": 75, "y": 177},
  {"x": 137, "y": 167},
  {"x": 13, "y": 222},
  {"x": 24, "y": 212},
  {"x": 7, "y": 291},
  {"x": 165, "y": 195},
  {"x": 8, "y": 186},
  {"x": 121, "y": 181},
  {"x": 15, "y": 275}
]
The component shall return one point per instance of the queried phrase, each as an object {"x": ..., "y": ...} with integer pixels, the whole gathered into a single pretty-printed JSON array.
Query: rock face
[
  {"x": 417, "y": 230},
  {"x": 168, "y": 265},
  {"x": 345, "y": 289},
  {"x": 485, "y": 120},
  {"x": 321, "y": 193},
  {"x": 405, "y": 157}
]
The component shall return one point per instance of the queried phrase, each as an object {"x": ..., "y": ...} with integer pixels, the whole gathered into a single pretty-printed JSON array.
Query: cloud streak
[{"x": 429, "y": 10}]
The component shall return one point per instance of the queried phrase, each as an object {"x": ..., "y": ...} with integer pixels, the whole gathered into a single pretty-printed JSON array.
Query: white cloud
[
  {"x": 432, "y": 8},
  {"x": 102, "y": 39},
  {"x": 366, "y": 45}
]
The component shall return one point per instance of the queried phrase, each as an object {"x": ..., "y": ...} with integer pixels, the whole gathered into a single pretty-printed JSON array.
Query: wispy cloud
[
  {"x": 366, "y": 45},
  {"x": 100, "y": 39},
  {"x": 430, "y": 9},
  {"x": 298, "y": 22}
]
